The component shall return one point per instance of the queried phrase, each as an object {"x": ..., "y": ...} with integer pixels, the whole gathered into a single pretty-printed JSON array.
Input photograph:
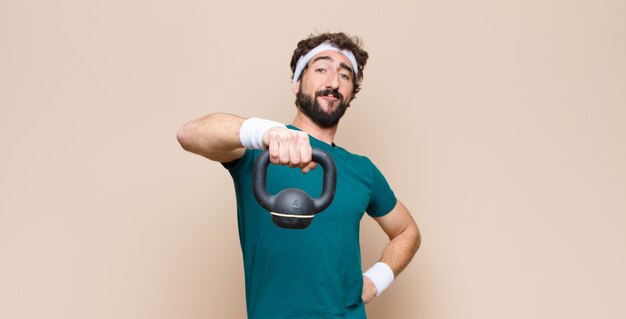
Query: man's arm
[
  {"x": 404, "y": 241},
  {"x": 214, "y": 136},
  {"x": 217, "y": 137}
]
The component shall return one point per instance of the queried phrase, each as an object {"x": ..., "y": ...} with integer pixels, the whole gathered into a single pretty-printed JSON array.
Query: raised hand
[{"x": 289, "y": 147}]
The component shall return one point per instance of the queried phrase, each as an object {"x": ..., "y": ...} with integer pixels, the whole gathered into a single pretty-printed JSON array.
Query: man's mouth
[{"x": 330, "y": 95}]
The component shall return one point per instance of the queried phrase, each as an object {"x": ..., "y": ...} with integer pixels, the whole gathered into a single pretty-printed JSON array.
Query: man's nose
[{"x": 332, "y": 81}]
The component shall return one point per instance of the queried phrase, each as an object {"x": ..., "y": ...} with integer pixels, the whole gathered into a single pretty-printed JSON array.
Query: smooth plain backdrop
[{"x": 500, "y": 124}]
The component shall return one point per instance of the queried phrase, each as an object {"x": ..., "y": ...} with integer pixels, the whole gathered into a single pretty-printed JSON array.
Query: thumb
[{"x": 309, "y": 167}]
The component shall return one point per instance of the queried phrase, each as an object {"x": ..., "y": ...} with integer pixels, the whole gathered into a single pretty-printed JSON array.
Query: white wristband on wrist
[
  {"x": 381, "y": 275},
  {"x": 252, "y": 130}
]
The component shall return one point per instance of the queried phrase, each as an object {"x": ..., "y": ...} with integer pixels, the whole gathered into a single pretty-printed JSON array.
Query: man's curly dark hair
[{"x": 343, "y": 42}]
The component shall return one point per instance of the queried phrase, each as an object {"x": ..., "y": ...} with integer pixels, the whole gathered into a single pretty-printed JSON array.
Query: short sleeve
[
  {"x": 243, "y": 165},
  {"x": 382, "y": 198}
]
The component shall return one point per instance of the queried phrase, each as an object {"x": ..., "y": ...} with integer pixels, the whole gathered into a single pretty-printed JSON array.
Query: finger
[
  {"x": 274, "y": 151},
  {"x": 306, "y": 152},
  {"x": 294, "y": 153},
  {"x": 309, "y": 167},
  {"x": 266, "y": 137},
  {"x": 283, "y": 144},
  {"x": 369, "y": 290}
]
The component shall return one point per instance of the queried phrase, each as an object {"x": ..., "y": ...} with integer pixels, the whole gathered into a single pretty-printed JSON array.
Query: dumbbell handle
[{"x": 267, "y": 201}]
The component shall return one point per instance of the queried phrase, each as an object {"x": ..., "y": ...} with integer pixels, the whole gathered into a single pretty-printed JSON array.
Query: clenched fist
[{"x": 289, "y": 147}]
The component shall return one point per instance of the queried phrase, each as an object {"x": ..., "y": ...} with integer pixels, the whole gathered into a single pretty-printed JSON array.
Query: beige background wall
[{"x": 501, "y": 125}]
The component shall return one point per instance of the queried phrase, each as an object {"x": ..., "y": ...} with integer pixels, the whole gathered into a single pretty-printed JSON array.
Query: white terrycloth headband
[{"x": 326, "y": 46}]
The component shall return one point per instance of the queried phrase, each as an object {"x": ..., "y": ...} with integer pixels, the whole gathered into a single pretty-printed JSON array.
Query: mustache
[{"x": 326, "y": 92}]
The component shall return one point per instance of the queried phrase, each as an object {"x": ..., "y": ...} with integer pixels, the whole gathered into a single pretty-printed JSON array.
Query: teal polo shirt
[{"x": 313, "y": 272}]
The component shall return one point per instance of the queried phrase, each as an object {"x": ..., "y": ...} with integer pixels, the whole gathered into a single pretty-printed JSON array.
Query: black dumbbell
[{"x": 292, "y": 207}]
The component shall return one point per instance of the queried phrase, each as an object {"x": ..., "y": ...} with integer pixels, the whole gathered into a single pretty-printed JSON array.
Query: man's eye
[
  {"x": 345, "y": 76},
  {"x": 320, "y": 70}
]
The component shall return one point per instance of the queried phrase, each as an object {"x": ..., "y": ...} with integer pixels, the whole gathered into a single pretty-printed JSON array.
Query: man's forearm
[
  {"x": 215, "y": 136},
  {"x": 401, "y": 249},
  {"x": 404, "y": 240},
  {"x": 404, "y": 237}
]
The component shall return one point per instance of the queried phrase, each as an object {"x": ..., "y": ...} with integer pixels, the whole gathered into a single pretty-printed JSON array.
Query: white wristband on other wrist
[
  {"x": 252, "y": 131},
  {"x": 381, "y": 275}
]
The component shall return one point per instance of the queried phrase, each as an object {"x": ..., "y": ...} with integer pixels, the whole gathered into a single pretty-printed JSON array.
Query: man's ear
[{"x": 296, "y": 88}]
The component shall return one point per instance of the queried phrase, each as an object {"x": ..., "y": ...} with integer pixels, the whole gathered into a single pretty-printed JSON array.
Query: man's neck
[{"x": 326, "y": 135}]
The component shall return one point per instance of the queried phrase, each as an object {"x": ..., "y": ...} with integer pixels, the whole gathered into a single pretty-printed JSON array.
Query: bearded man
[{"x": 314, "y": 272}]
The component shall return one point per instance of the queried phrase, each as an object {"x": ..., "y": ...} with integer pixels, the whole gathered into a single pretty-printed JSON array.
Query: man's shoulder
[{"x": 353, "y": 157}]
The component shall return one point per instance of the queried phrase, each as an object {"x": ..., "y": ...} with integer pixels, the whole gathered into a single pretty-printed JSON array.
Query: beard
[{"x": 312, "y": 109}]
